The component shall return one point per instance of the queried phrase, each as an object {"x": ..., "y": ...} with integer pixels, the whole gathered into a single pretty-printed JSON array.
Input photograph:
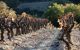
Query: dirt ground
[{"x": 43, "y": 39}]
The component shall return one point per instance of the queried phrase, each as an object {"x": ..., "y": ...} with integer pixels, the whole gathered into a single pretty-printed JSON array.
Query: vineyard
[{"x": 57, "y": 29}]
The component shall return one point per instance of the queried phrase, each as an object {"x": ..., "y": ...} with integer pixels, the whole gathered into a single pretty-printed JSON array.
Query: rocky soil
[{"x": 43, "y": 39}]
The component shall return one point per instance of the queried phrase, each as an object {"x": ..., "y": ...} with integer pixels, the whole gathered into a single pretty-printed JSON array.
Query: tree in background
[
  {"x": 75, "y": 9},
  {"x": 54, "y": 12},
  {"x": 58, "y": 10},
  {"x": 5, "y": 10}
]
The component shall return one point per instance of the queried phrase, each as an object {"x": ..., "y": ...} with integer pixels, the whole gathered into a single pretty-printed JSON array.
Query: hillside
[{"x": 40, "y": 6}]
